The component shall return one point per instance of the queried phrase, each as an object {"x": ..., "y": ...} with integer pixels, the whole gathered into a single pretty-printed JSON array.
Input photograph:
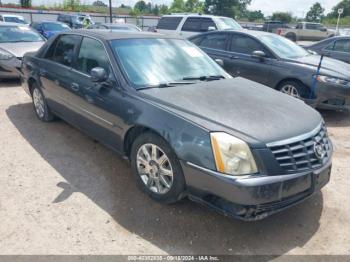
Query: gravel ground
[{"x": 63, "y": 193}]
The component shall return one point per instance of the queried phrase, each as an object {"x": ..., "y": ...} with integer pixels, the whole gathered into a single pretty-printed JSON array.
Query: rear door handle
[
  {"x": 234, "y": 57},
  {"x": 74, "y": 86}
]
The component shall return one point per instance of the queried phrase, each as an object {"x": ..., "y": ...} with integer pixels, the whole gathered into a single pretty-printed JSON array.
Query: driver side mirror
[
  {"x": 211, "y": 28},
  {"x": 259, "y": 55},
  {"x": 98, "y": 74},
  {"x": 323, "y": 29},
  {"x": 220, "y": 62}
]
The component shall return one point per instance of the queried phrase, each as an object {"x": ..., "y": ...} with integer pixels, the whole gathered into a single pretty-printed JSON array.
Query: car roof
[
  {"x": 106, "y": 34},
  {"x": 48, "y": 21},
  {"x": 118, "y": 24},
  {"x": 253, "y": 33},
  {"x": 10, "y": 15}
]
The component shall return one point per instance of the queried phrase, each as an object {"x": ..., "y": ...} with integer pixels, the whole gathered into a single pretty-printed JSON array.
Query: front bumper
[
  {"x": 333, "y": 97},
  {"x": 252, "y": 197}
]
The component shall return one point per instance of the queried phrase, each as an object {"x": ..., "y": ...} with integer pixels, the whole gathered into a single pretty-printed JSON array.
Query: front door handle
[
  {"x": 234, "y": 57},
  {"x": 74, "y": 86}
]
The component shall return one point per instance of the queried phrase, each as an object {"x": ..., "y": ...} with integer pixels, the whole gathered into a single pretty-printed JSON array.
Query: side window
[
  {"x": 206, "y": 24},
  {"x": 313, "y": 26},
  {"x": 169, "y": 23},
  {"x": 92, "y": 54},
  {"x": 62, "y": 50},
  {"x": 342, "y": 46},
  {"x": 299, "y": 26},
  {"x": 244, "y": 44},
  {"x": 192, "y": 24},
  {"x": 215, "y": 41},
  {"x": 197, "y": 40},
  {"x": 1, "y": 18}
]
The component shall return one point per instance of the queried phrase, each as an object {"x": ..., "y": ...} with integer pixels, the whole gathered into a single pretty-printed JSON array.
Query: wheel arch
[{"x": 281, "y": 82}]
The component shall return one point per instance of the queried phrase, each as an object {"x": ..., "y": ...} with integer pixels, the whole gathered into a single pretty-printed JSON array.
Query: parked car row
[{"x": 188, "y": 128}]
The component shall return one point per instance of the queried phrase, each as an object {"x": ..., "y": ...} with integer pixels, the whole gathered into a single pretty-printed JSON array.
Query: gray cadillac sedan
[
  {"x": 15, "y": 40},
  {"x": 281, "y": 64},
  {"x": 187, "y": 127}
]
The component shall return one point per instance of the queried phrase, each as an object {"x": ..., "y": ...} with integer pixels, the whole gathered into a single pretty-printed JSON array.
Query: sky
[{"x": 297, "y": 7}]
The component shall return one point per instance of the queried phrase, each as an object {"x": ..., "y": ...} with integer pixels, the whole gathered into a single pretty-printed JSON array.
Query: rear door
[
  {"x": 241, "y": 63},
  {"x": 100, "y": 104},
  {"x": 55, "y": 74},
  {"x": 215, "y": 45}
]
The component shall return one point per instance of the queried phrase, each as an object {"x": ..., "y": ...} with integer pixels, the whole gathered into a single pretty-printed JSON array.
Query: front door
[
  {"x": 101, "y": 104},
  {"x": 241, "y": 63}
]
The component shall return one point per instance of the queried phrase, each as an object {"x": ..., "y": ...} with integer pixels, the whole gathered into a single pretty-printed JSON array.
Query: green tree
[
  {"x": 194, "y": 6},
  {"x": 26, "y": 3},
  {"x": 177, "y": 6},
  {"x": 284, "y": 17},
  {"x": 254, "y": 15},
  {"x": 230, "y": 8},
  {"x": 98, "y": 3},
  {"x": 73, "y": 5},
  {"x": 163, "y": 9},
  {"x": 345, "y": 4},
  {"x": 155, "y": 10},
  {"x": 316, "y": 13},
  {"x": 141, "y": 6}
]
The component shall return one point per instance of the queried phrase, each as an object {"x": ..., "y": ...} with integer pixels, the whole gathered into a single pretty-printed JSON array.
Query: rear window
[{"x": 169, "y": 23}]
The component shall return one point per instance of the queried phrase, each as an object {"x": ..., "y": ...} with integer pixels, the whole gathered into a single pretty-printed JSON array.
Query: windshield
[
  {"x": 155, "y": 61},
  {"x": 12, "y": 34},
  {"x": 225, "y": 23},
  {"x": 283, "y": 47},
  {"x": 15, "y": 19},
  {"x": 55, "y": 27}
]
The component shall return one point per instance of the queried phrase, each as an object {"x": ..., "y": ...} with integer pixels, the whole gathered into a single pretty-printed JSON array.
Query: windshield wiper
[
  {"x": 205, "y": 78},
  {"x": 167, "y": 84}
]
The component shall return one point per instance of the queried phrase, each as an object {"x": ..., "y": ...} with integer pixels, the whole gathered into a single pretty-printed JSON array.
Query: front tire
[
  {"x": 41, "y": 109},
  {"x": 157, "y": 169}
]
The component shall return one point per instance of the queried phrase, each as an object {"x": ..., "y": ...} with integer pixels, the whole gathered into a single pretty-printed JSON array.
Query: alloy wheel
[
  {"x": 154, "y": 168},
  {"x": 290, "y": 90},
  {"x": 39, "y": 104}
]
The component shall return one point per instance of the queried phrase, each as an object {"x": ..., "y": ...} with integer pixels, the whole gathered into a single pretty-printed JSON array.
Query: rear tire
[
  {"x": 157, "y": 169},
  {"x": 41, "y": 109},
  {"x": 294, "y": 89}
]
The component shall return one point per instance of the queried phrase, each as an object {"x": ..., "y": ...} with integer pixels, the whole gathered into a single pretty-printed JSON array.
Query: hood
[
  {"x": 329, "y": 66},
  {"x": 251, "y": 111},
  {"x": 19, "y": 49}
]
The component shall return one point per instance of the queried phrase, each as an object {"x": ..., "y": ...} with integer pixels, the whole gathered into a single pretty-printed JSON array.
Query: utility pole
[
  {"x": 110, "y": 12},
  {"x": 340, "y": 11}
]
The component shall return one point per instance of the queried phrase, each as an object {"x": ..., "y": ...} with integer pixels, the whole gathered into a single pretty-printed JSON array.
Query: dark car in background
[
  {"x": 49, "y": 28},
  {"x": 337, "y": 47},
  {"x": 15, "y": 40},
  {"x": 279, "y": 63},
  {"x": 188, "y": 127},
  {"x": 272, "y": 26},
  {"x": 115, "y": 26}
]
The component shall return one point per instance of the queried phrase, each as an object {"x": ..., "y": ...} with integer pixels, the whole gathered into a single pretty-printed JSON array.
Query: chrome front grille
[{"x": 308, "y": 153}]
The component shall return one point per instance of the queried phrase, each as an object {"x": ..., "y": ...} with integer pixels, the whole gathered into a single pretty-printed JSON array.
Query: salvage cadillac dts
[{"x": 187, "y": 127}]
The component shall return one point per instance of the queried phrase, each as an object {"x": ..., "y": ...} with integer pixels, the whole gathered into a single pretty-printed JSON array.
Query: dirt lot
[{"x": 63, "y": 193}]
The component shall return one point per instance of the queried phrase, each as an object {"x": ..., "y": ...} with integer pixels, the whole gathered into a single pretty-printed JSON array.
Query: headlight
[
  {"x": 232, "y": 155},
  {"x": 332, "y": 80},
  {"x": 4, "y": 55}
]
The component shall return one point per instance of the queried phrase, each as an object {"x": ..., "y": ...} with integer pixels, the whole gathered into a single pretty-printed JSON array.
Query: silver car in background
[{"x": 15, "y": 41}]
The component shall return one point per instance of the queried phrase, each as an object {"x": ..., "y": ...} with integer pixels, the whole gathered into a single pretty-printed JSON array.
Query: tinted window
[
  {"x": 299, "y": 26},
  {"x": 196, "y": 40},
  {"x": 192, "y": 24},
  {"x": 244, "y": 44},
  {"x": 342, "y": 46},
  {"x": 92, "y": 54},
  {"x": 215, "y": 41},
  {"x": 64, "y": 49},
  {"x": 169, "y": 23},
  {"x": 206, "y": 23}
]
